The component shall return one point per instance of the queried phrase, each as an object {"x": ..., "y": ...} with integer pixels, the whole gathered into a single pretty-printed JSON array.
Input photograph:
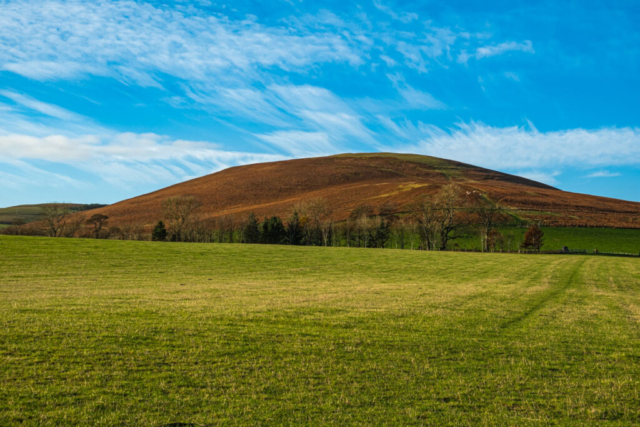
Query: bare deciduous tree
[
  {"x": 98, "y": 222},
  {"x": 451, "y": 220},
  {"x": 318, "y": 210},
  {"x": 494, "y": 240},
  {"x": 313, "y": 214},
  {"x": 178, "y": 211},
  {"x": 226, "y": 229},
  {"x": 400, "y": 229},
  {"x": 427, "y": 220},
  {"x": 441, "y": 218},
  {"x": 364, "y": 225},
  {"x": 74, "y": 225},
  {"x": 55, "y": 217},
  {"x": 412, "y": 228},
  {"x": 347, "y": 230},
  {"x": 326, "y": 226},
  {"x": 507, "y": 241},
  {"x": 488, "y": 213}
]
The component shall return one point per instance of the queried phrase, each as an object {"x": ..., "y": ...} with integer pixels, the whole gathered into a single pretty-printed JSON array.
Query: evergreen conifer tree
[
  {"x": 382, "y": 233},
  {"x": 294, "y": 230},
  {"x": 273, "y": 231},
  {"x": 159, "y": 233},
  {"x": 251, "y": 230}
]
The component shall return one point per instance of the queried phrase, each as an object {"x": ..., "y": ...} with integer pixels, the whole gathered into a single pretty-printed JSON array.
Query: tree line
[{"x": 433, "y": 222}]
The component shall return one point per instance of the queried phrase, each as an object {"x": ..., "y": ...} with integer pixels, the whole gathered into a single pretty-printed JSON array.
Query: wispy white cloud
[
  {"x": 41, "y": 107},
  {"x": 414, "y": 98},
  {"x": 135, "y": 42},
  {"x": 494, "y": 50},
  {"x": 301, "y": 144},
  {"x": 227, "y": 67},
  {"x": 27, "y": 174},
  {"x": 138, "y": 43},
  {"x": 241, "y": 69},
  {"x": 433, "y": 46},
  {"x": 499, "y": 49},
  {"x": 317, "y": 109},
  {"x": 52, "y": 119},
  {"x": 124, "y": 158},
  {"x": 525, "y": 148},
  {"x": 603, "y": 174},
  {"x": 512, "y": 76},
  {"x": 389, "y": 61},
  {"x": 401, "y": 16}
]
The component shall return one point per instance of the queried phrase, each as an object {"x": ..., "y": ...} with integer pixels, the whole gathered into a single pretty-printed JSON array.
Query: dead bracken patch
[{"x": 375, "y": 179}]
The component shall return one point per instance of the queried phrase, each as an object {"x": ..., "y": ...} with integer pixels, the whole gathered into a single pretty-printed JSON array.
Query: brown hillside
[{"x": 349, "y": 180}]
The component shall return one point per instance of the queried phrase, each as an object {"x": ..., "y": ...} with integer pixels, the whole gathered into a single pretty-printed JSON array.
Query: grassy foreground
[{"x": 141, "y": 333}]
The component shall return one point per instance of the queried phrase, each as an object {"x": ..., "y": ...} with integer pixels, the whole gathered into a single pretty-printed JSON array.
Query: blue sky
[{"x": 105, "y": 100}]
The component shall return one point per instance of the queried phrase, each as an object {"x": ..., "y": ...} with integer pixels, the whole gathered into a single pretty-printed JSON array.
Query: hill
[
  {"x": 26, "y": 214},
  {"x": 376, "y": 179}
]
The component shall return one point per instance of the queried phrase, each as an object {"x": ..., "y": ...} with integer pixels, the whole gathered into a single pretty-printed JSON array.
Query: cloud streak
[
  {"x": 135, "y": 42},
  {"x": 404, "y": 17},
  {"x": 495, "y": 50},
  {"x": 519, "y": 147},
  {"x": 487, "y": 51},
  {"x": 125, "y": 158},
  {"x": 41, "y": 107},
  {"x": 603, "y": 174}
]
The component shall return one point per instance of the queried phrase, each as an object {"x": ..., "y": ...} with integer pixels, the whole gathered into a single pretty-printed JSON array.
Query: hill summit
[{"x": 376, "y": 179}]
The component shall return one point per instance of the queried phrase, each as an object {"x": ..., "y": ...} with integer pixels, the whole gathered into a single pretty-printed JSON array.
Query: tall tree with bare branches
[
  {"x": 55, "y": 217},
  {"x": 313, "y": 213},
  {"x": 326, "y": 227},
  {"x": 178, "y": 211},
  {"x": 74, "y": 225},
  {"x": 488, "y": 213},
  {"x": 452, "y": 219},
  {"x": 427, "y": 220},
  {"x": 363, "y": 225}
]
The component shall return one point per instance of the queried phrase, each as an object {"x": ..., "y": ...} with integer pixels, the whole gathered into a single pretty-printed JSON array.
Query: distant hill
[
  {"x": 349, "y": 180},
  {"x": 33, "y": 213}
]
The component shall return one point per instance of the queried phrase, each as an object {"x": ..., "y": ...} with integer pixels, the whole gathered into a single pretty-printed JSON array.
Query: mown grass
[{"x": 142, "y": 333}]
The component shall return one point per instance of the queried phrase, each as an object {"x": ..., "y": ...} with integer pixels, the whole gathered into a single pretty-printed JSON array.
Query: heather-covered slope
[{"x": 349, "y": 180}]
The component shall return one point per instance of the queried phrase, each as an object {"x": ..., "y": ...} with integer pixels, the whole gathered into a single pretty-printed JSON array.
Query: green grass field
[
  {"x": 140, "y": 333},
  {"x": 603, "y": 239},
  {"x": 33, "y": 213},
  {"x": 26, "y": 213}
]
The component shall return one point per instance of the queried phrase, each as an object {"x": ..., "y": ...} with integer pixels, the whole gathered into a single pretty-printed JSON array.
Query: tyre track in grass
[
  {"x": 548, "y": 296},
  {"x": 620, "y": 289}
]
